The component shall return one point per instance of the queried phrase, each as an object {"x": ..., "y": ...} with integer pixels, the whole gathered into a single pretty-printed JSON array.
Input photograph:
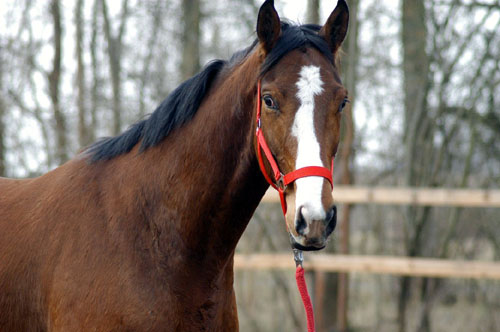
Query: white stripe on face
[{"x": 308, "y": 195}]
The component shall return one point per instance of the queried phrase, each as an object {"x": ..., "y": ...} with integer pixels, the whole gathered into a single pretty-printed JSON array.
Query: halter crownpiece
[{"x": 281, "y": 181}]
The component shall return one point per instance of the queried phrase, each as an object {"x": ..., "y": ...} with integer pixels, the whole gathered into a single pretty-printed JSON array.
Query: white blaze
[{"x": 308, "y": 195}]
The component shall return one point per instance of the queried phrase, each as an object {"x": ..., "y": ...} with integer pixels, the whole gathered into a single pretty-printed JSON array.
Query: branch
[
  {"x": 123, "y": 20},
  {"x": 472, "y": 5}
]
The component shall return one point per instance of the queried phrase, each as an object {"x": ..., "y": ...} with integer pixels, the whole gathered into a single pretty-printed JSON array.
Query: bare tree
[
  {"x": 83, "y": 134},
  {"x": 54, "y": 79},
  {"x": 3, "y": 112},
  {"x": 466, "y": 127},
  {"x": 96, "y": 79},
  {"x": 349, "y": 66},
  {"x": 16, "y": 94},
  {"x": 313, "y": 11},
  {"x": 115, "y": 47},
  {"x": 442, "y": 134},
  {"x": 144, "y": 75},
  {"x": 191, "y": 14},
  {"x": 415, "y": 69}
]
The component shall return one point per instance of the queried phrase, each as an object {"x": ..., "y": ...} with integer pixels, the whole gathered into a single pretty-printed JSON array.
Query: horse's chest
[
  {"x": 209, "y": 316},
  {"x": 195, "y": 308}
]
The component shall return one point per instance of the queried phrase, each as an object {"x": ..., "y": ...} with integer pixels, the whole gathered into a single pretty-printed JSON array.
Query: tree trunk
[
  {"x": 190, "y": 64},
  {"x": 83, "y": 135},
  {"x": 2, "y": 119},
  {"x": 349, "y": 65},
  {"x": 2, "y": 139},
  {"x": 415, "y": 59},
  {"x": 54, "y": 79},
  {"x": 157, "y": 17},
  {"x": 313, "y": 11},
  {"x": 415, "y": 70},
  {"x": 96, "y": 82},
  {"x": 431, "y": 286},
  {"x": 114, "y": 55}
]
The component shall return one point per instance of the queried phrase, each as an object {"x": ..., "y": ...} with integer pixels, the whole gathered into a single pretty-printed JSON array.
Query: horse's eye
[
  {"x": 344, "y": 102},
  {"x": 270, "y": 103}
]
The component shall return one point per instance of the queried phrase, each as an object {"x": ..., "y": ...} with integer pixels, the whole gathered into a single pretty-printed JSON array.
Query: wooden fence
[
  {"x": 416, "y": 267},
  {"x": 409, "y": 196},
  {"x": 439, "y": 268}
]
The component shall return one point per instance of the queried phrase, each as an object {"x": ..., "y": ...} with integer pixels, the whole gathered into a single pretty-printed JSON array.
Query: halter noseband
[{"x": 281, "y": 181}]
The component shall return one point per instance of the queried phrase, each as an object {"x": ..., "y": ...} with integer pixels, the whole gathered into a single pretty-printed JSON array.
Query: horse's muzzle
[{"x": 318, "y": 233}]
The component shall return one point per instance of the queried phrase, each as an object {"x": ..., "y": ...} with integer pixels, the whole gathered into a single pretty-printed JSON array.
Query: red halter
[
  {"x": 280, "y": 183},
  {"x": 283, "y": 180}
]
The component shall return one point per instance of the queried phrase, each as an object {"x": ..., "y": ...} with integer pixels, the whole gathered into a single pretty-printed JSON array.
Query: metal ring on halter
[{"x": 280, "y": 183}]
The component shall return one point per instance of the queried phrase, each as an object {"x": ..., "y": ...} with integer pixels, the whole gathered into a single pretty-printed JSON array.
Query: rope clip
[{"x": 298, "y": 256}]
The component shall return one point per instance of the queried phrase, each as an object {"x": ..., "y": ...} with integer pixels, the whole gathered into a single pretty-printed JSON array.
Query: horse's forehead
[{"x": 288, "y": 70}]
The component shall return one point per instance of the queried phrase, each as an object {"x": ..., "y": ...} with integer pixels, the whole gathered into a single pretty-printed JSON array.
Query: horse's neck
[{"x": 200, "y": 187}]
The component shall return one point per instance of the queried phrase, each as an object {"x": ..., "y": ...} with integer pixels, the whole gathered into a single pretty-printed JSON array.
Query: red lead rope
[
  {"x": 281, "y": 181},
  {"x": 306, "y": 300}
]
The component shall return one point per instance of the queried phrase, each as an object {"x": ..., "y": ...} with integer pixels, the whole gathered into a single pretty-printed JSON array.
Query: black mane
[
  {"x": 177, "y": 109},
  {"x": 181, "y": 105}
]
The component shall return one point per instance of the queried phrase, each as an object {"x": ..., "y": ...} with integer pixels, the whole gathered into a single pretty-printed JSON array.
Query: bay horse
[{"x": 138, "y": 232}]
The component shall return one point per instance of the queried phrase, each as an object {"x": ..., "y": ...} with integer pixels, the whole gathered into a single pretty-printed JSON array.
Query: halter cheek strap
[{"x": 281, "y": 181}]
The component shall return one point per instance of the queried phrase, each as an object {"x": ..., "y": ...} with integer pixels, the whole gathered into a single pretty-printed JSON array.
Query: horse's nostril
[
  {"x": 330, "y": 214},
  {"x": 300, "y": 222},
  {"x": 331, "y": 220}
]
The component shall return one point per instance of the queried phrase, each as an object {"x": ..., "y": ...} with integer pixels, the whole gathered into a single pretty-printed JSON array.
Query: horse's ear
[
  {"x": 335, "y": 28},
  {"x": 268, "y": 25}
]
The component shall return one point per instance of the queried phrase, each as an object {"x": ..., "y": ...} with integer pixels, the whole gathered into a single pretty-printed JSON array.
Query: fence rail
[
  {"x": 417, "y": 267},
  {"x": 412, "y": 196},
  {"x": 422, "y": 267}
]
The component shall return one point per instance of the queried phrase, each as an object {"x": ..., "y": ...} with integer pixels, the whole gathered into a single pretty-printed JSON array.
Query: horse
[{"x": 138, "y": 231}]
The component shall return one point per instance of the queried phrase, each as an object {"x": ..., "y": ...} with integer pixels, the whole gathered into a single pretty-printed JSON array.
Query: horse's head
[{"x": 302, "y": 98}]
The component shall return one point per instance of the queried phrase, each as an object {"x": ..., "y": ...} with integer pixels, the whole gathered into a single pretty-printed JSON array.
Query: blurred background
[{"x": 424, "y": 83}]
